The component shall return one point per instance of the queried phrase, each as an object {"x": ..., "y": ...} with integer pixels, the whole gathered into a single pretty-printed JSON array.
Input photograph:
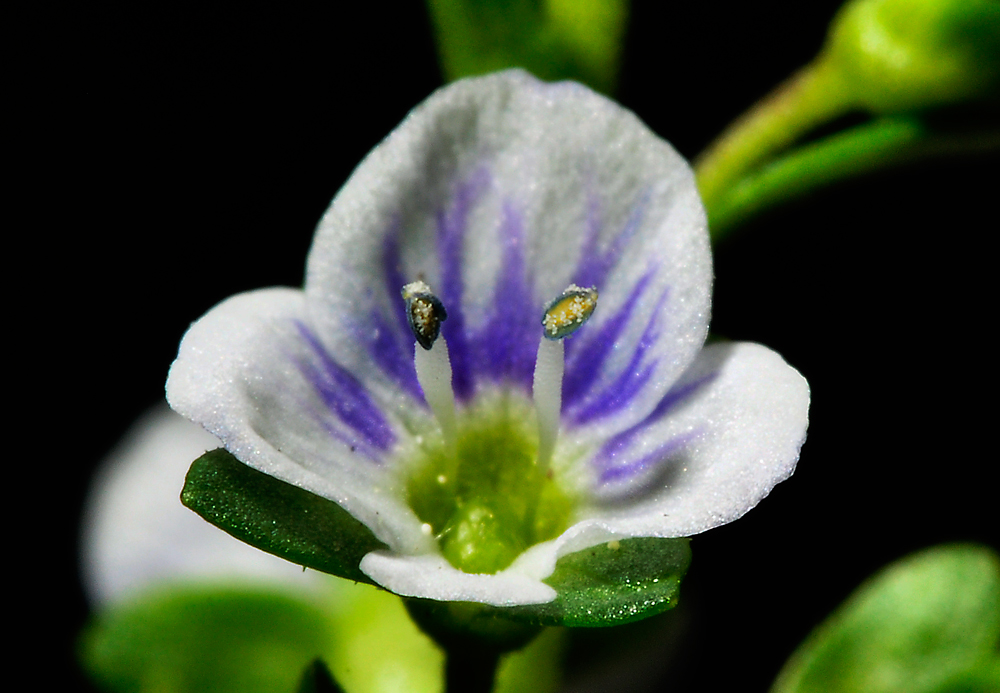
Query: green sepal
[
  {"x": 605, "y": 585},
  {"x": 611, "y": 584},
  {"x": 277, "y": 517},
  {"x": 929, "y": 623},
  {"x": 205, "y": 638}
]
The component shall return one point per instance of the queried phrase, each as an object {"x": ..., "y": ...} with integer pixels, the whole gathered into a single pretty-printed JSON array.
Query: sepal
[
  {"x": 612, "y": 584},
  {"x": 277, "y": 517},
  {"x": 605, "y": 585}
]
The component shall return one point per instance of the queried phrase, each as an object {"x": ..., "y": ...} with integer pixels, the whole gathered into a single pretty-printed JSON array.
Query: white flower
[
  {"x": 136, "y": 533},
  {"x": 498, "y": 193}
]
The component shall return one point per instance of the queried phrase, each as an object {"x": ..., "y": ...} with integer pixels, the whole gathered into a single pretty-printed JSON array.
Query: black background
[{"x": 176, "y": 155}]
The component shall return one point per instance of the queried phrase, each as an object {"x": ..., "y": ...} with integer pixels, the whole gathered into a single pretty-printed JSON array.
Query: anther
[
  {"x": 568, "y": 311},
  {"x": 424, "y": 313}
]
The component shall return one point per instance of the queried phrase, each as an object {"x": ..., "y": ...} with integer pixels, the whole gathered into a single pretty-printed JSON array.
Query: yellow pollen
[{"x": 568, "y": 311}]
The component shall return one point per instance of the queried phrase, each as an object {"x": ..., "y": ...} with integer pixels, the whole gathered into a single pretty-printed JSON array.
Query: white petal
[
  {"x": 432, "y": 577},
  {"x": 242, "y": 373},
  {"x": 136, "y": 532},
  {"x": 552, "y": 161},
  {"x": 748, "y": 423}
]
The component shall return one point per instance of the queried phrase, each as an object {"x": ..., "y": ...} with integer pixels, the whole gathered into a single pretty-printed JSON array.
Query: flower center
[
  {"x": 486, "y": 489},
  {"x": 487, "y": 500}
]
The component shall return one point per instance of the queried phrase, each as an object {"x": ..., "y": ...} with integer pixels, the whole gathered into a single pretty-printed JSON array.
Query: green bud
[{"x": 904, "y": 55}]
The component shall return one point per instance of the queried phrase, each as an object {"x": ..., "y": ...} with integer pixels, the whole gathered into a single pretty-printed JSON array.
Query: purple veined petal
[
  {"x": 506, "y": 345},
  {"x": 325, "y": 417},
  {"x": 239, "y": 374},
  {"x": 650, "y": 462},
  {"x": 619, "y": 394},
  {"x": 394, "y": 279},
  {"x": 344, "y": 395},
  {"x": 592, "y": 347},
  {"x": 618, "y": 461},
  {"x": 729, "y": 431},
  {"x": 392, "y": 354},
  {"x": 619, "y": 446},
  {"x": 597, "y": 198},
  {"x": 594, "y": 264},
  {"x": 386, "y": 333},
  {"x": 452, "y": 227}
]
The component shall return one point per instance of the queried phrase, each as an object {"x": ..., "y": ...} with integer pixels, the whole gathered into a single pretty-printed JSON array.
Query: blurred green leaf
[
  {"x": 929, "y": 623},
  {"x": 277, "y": 517},
  {"x": 984, "y": 678},
  {"x": 197, "y": 639},
  {"x": 554, "y": 39},
  {"x": 317, "y": 679}
]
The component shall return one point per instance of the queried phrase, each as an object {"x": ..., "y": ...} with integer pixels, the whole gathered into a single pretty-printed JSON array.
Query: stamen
[
  {"x": 425, "y": 313},
  {"x": 563, "y": 316},
  {"x": 547, "y": 393}
]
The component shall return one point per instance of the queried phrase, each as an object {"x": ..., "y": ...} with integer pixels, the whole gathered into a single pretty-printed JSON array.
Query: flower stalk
[
  {"x": 897, "y": 61},
  {"x": 812, "y": 96}
]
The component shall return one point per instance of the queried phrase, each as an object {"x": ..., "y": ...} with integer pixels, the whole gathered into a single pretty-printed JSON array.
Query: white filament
[
  {"x": 434, "y": 375},
  {"x": 547, "y": 393}
]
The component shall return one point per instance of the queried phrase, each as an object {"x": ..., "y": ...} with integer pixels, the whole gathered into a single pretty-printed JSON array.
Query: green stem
[
  {"x": 880, "y": 144},
  {"x": 812, "y": 96}
]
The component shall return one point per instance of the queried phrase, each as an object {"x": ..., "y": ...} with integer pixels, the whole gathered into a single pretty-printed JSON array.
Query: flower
[
  {"x": 142, "y": 551},
  {"x": 475, "y": 467},
  {"x": 135, "y": 533}
]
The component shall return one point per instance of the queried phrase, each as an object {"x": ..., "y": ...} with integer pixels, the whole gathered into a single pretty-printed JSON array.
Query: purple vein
[
  {"x": 452, "y": 226},
  {"x": 345, "y": 396},
  {"x": 584, "y": 365}
]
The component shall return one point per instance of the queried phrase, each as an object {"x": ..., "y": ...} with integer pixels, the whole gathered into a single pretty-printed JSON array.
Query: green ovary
[{"x": 488, "y": 501}]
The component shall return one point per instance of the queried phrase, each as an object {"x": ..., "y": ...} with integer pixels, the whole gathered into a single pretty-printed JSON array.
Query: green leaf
[
  {"x": 205, "y": 639},
  {"x": 277, "y": 517},
  {"x": 611, "y": 584},
  {"x": 925, "y": 624}
]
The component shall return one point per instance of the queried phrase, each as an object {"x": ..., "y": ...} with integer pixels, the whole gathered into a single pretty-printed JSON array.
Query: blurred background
[{"x": 180, "y": 154}]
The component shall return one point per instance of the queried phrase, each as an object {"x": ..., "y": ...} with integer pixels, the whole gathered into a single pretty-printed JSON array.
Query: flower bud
[{"x": 905, "y": 55}]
